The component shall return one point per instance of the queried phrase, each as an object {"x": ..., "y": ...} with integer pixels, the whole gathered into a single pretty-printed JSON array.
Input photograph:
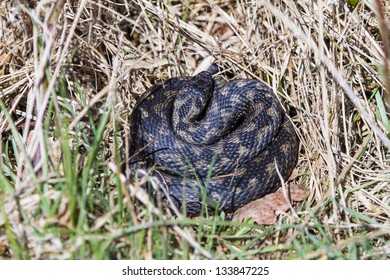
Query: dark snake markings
[{"x": 187, "y": 127}]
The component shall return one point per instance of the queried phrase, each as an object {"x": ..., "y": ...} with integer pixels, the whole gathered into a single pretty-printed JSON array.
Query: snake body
[{"x": 228, "y": 142}]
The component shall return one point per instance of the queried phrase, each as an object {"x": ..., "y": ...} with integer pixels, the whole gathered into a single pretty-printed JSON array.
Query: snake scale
[{"x": 205, "y": 137}]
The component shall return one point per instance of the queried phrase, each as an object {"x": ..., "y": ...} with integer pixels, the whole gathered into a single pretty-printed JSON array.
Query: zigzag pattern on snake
[{"x": 204, "y": 136}]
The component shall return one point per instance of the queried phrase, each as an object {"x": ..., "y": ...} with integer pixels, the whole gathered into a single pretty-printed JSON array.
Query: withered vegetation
[{"x": 71, "y": 71}]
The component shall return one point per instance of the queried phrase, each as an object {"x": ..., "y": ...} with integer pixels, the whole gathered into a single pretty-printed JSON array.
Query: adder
[{"x": 212, "y": 143}]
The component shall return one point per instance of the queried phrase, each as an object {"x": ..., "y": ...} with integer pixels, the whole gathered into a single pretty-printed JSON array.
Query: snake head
[
  {"x": 192, "y": 99},
  {"x": 213, "y": 69},
  {"x": 202, "y": 83}
]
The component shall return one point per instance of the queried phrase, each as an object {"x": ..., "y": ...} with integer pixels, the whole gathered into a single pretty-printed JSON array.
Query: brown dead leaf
[
  {"x": 3, "y": 249},
  {"x": 222, "y": 31},
  {"x": 264, "y": 210}
]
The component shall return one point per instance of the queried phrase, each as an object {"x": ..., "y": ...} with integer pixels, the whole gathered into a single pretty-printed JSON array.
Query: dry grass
[{"x": 70, "y": 72}]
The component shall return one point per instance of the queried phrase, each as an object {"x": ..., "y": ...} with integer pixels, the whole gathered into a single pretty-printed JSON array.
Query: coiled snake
[{"x": 214, "y": 139}]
